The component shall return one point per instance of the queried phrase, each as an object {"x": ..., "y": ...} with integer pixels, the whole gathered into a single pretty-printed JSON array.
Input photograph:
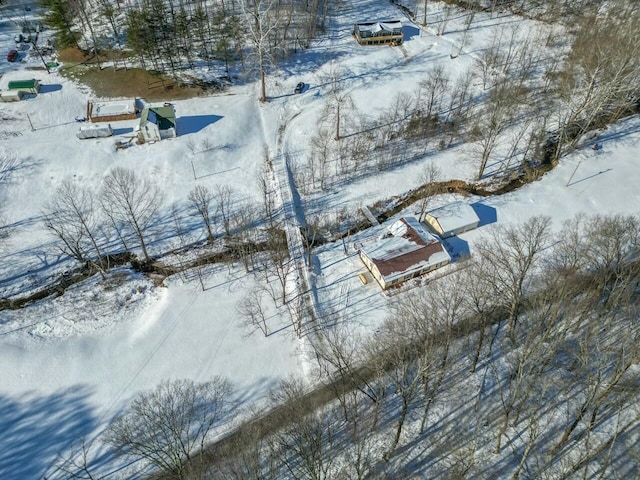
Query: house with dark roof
[
  {"x": 407, "y": 250},
  {"x": 157, "y": 123}
]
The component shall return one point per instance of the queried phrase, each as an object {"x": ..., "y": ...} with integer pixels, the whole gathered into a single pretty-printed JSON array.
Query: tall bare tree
[
  {"x": 305, "y": 444},
  {"x": 261, "y": 23},
  {"x": 393, "y": 355},
  {"x": 71, "y": 216},
  {"x": 201, "y": 199},
  {"x": 496, "y": 117},
  {"x": 339, "y": 98},
  {"x": 132, "y": 200},
  {"x": 223, "y": 199},
  {"x": 431, "y": 174}
]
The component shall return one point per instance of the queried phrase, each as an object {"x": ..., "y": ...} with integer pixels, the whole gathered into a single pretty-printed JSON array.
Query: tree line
[
  {"x": 172, "y": 35},
  {"x": 125, "y": 214},
  {"x": 539, "y": 94}
]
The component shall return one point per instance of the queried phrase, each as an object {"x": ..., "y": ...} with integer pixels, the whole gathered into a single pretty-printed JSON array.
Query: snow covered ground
[
  {"x": 586, "y": 181},
  {"x": 67, "y": 365},
  {"x": 71, "y": 363}
]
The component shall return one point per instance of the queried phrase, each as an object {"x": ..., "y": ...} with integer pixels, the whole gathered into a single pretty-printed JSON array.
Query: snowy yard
[{"x": 70, "y": 363}]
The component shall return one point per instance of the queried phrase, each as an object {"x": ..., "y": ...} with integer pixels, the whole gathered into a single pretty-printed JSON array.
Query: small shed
[
  {"x": 95, "y": 131},
  {"x": 11, "y": 96},
  {"x": 158, "y": 123},
  {"x": 452, "y": 219},
  {"x": 26, "y": 86}
]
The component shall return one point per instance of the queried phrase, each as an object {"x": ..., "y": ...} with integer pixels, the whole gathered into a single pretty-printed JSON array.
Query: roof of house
[
  {"x": 454, "y": 216},
  {"x": 379, "y": 26},
  {"x": 164, "y": 117},
  {"x": 407, "y": 247}
]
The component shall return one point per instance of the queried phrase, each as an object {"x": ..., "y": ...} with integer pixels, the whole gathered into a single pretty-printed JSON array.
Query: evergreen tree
[{"x": 60, "y": 18}]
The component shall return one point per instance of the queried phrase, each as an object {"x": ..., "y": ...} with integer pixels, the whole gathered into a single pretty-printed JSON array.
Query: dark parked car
[
  {"x": 12, "y": 56},
  {"x": 299, "y": 88}
]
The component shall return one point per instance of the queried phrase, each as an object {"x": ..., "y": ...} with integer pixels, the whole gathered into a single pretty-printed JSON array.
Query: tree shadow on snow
[
  {"x": 195, "y": 123},
  {"x": 36, "y": 428}
]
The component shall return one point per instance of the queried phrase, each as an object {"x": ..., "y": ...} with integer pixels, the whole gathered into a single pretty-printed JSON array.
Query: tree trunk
[{"x": 396, "y": 438}]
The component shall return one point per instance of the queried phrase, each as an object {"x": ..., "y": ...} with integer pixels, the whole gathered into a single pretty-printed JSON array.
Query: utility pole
[
  {"x": 35, "y": 46},
  {"x": 424, "y": 19}
]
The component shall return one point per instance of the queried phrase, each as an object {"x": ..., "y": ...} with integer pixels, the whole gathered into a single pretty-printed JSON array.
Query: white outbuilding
[
  {"x": 95, "y": 131},
  {"x": 452, "y": 219}
]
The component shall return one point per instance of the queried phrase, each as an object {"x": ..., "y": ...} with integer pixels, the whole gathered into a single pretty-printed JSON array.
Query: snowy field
[{"x": 69, "y": 364}]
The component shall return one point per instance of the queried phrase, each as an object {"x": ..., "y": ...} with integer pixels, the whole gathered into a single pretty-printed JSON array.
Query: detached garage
[
  {"x": 11, "y": 96},
  {"x": 452, "y": 219},
  {"x": 27, "y": 86}
]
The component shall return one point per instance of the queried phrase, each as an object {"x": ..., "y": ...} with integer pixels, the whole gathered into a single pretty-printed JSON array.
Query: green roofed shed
[
  {"x": 28, "y": 86},
  {"x": 157, "y": 123}
]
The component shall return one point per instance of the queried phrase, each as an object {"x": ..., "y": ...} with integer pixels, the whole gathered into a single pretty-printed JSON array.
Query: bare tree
[
  {"x": 339, "y": 352},
  {"x": 602, "y": 71},
  {"x": 279, "y": 264},
  {"x": 268, "y": 193},
  {"x": 601, "y": 247},
  {"x": 393, "y": 355},
  {"x": 8, "y": 163},
  {"x": 424, "y": 12},
  {"x": 526, "y": 364},
  {"x": 434, "y": 87},
  {"x": 446, "y": 309},
  {"x": 169, "y": 426},
  {"x": 223, "y": 198},
  {"x": 459, "y": 105},
  {"x": 430, "y": 176},
  {"x": 445, "y": 15},
  {"x": 497, "y": 116},
  {"x": 133, "y": 201},
  {"x": 480, "y": 300},
  {"x": 510, "y": 256},
  {"x": 305, "y": 443},
  {"x": 261, "y": 22},
  {"x": 243, "y": 241},
  {"x": 339, "y": 99},
  {"x": 600, "y": 366},
  {"x": 71, "y": 216},
  {"x": 76, "y": 464},
  {"x": 320, "y": 155},
  {"x": 252, "y": 311},
  {"x": 253, "y": 456},
  {"x": 200, "y": 199}
]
